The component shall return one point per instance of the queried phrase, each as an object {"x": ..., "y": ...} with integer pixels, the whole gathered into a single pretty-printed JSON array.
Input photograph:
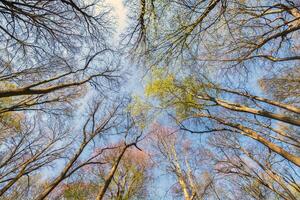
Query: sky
[
  {"x": 134, "y": 85},
  {"x": 119, "y": 12}
]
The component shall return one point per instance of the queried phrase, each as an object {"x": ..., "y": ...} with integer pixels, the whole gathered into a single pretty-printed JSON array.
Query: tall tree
[
  {"x": 180, "y": 160},
  {"x": 227, "y": 67},
  {"x": 52, "y": 53},
  {"x": 48, "y": 46}
]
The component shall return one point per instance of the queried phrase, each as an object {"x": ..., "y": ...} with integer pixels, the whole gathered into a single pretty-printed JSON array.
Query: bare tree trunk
[
  {"x": 179, "y": 174},
  {"x": 111, "y": 174},
  {"x": 62, "y": 175},
  {"x": 263, "y": 113},
  {"x": 22, "y": 171},
  {"x": 274, "y": 176},
  {"x": 67, "y": 171},
  {"x": 254, "y": 135},
  {"x": 268, "y": 101}
]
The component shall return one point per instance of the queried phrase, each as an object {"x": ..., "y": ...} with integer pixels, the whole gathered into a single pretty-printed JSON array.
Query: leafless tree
[
  {"x": 49, "y": 46},
  {"x": 29, "y": 150},
  {"x": 257, "y": 172},
  {"x": 181, "y": 158}
]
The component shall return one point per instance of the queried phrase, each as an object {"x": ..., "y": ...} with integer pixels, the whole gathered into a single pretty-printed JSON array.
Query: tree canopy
[{"x": 190, "y": 99}]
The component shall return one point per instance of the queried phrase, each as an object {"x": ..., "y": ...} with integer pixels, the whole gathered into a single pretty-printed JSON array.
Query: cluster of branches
[
  {"x": 48, "y": 46},
  {"x": 229, "y": 71},
  {"x": 225, "y": 71},
  {"x": 54, "y": 55}
]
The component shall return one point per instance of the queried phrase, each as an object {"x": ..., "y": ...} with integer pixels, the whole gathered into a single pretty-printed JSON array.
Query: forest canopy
[{"x": 150, "y": 99}]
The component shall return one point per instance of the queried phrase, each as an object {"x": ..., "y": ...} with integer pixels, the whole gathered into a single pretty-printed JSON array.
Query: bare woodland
[{"x": 218, "y": 117}]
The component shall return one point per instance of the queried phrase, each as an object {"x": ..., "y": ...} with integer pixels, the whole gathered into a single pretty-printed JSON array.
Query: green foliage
[
  {"x": 79, "y": 191},
  {"x": 139, "y": 109},
  {"x": 172, "y": 92}
]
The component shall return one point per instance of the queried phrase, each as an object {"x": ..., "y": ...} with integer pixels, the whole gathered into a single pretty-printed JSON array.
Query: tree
[
  {"x": 123, "y": 174},
  {"x": 45, "y": 51},
  {"x": 191, "y": 98},
  {"x": 222, "y": 76},
  {"x": 129, "y": 173},
  {"x": 25, "y": 152},
  {"x": 284, "y": 86},
  {"x": 180, "y": 159},
  {"x": 79, "y": 190},
  {"x": 220, "y": 31},
  {"x": 52, "y": 53},
  {"x": 256, "y": 171},
  {"x": 91, "y": 129},
  {"x": 227, "y": 67}
]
